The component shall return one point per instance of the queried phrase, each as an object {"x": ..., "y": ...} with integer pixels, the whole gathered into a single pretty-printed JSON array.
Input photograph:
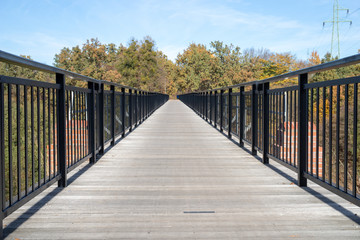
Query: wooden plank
[{"x": 174, "y": 163}]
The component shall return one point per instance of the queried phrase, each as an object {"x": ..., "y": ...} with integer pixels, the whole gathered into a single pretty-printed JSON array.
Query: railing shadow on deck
[
  {"x": 48, "y": 197},
  {"x": 42, "y": 202},
  {"x": 347, "y": 213}
]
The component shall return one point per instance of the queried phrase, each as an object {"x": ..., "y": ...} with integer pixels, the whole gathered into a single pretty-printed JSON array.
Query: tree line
[{"x": 140, "y": 64}]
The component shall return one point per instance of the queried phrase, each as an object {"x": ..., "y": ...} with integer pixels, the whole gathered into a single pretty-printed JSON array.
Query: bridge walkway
[{"x": 176, "y": 177}]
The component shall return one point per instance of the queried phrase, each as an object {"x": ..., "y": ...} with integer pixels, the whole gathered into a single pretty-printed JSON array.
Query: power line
[{"x": 335, "y": 26}]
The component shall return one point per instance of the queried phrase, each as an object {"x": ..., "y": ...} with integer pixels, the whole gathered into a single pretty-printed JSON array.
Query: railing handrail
[{"x": 343, "y": 62}]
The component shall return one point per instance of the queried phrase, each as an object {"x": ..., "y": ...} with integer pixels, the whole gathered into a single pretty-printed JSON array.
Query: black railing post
[
  {"x": 130, "y": 110},
  {"x": 61, "y": 130},
  {"x": 221, "y": 109},
  {"x": 303, "y": 130},
  {"x": 215, "y": 108},
  {"x": 101, "y": 118},
  {"x": 123, "y": 111},
  {"x": 91, "y": 122},
  {"x": 242, "y": 117},
  {"x": 112, "y": 88},
  {"x": 230, "y": 112},
  {"x": 253, "y": 119},
  {"x": 265, "y": 123}
]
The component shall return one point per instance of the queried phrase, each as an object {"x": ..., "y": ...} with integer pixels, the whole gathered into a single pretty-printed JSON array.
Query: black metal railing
[
  {"x": 48, "y": 129},
  {"x": 311, "y": 128}
]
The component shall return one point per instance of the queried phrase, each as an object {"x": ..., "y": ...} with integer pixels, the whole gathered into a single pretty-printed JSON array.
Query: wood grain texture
[{"x": 176, "y": 177}]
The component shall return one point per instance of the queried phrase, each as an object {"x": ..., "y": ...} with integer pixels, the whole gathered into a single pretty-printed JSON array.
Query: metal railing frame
[
  {"x": 272, "y": 104},
  {"x": 95, "y": 97}
]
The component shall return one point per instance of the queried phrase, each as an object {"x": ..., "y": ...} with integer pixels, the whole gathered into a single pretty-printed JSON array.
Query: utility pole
[{"x": 335, "y": 26}]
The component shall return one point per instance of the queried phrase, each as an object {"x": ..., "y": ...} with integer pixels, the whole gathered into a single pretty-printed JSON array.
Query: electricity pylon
[{"x": 335, "y": 26}]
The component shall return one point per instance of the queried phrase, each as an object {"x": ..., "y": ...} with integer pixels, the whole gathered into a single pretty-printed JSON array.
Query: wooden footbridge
[{"x": 167, "y": 173}]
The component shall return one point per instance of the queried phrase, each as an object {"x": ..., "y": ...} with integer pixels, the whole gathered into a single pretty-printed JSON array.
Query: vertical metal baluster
[
  {"x": 292, "y": 158},
  {"x": 2, "y": 152},
  {"x": 253, "y": 119},
  {"x": 221, "y": 110},
  {"x": 91, "y": 122},
  {"x": 10, "y": 144},
  {"x": 130, "y": 110},
  {"x": 330, "y": 133},
  {"x": 38, "y": 136},
  {"x": 296, "y": 110},
  {"x": 287, "y": 128},
  {"x": 324, "y": 133},
  {"x": 355, "y": 120},
  {"x": 346, "y": 137},
  {"x": 70, "y": 122},
  {"x": 80, "y": 107},
  {"x": 49, "y": 132},
  {"x": 82, "y": 125},
  {"x": 337, "y": 135},
  {"x": 54, "y": 131},
  {"x": 123, "y": 110},
  {"x": 242, "y": 116},
  {"x": 76, "y": 129},
  {"x": 44, "y": 132},
  {"x": 215, "y": 109},
  {"x": 317, "y": 130},
  {"x": 312, "y": 132},
  {"x": 112, "y": 88},
  {"x": 277, "y": 120},
  {"x": 265, "y": 122},
  {"x": 229, "y": 112},
  {"x": 18, "y": 140},
  {"x": 32, "y": 139},
  {"x": 26, "y": 140}
]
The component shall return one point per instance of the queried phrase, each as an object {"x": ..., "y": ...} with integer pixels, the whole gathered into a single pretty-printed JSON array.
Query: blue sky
[{"x": 42, "y": 28}]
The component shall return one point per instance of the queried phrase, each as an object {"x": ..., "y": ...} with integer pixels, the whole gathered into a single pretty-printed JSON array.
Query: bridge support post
[
  {"x": 112, "y": 88},
  {"x": 303, "y": 129},
  {"x": 61, "y": 130},
  {"x": 265, "y": 123},
  {"x": 230, "y": 112},
  {"x": 91, "y": 122},
  {"x": 242, "y": 117},
  {"x": 253, "y": 119}
]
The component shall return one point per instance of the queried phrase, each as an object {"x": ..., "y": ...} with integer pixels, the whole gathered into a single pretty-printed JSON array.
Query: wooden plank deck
[{"x": 176, "y": 177}]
